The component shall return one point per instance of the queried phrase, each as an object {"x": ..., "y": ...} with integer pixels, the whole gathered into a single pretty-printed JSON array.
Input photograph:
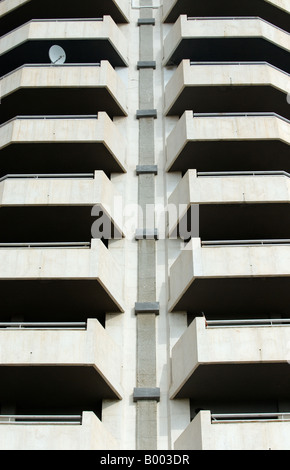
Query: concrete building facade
[{"x": 145, "y": 225}]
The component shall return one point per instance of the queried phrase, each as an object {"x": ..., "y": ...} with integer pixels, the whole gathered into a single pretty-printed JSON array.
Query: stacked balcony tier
[
  {"x": 227, "y": 88},
  {"x": 55, "y": 385},
  {"x": 60, "y": 432},
  {"x": 266, "y": 431},
  {"x": 274, "y": 11},
  {"x": 83, "y": 40},
  {"x": 61, "y": 144},
  {"x": 231, "y": 364},
  {"x": 14, "y": 13},
  {"x": 226, "y": 39},
  {"x": 229, "y": 142},
  {"x": 231, "y": 206},
  {"x": 76, "y": 352},
  {"x": 64, "y": 208},
  {"x": 231, "y": 280},
  {"x": 62, "y": 90},
  {"x": 65, "y": 283},
  {"x": 226, "y": 369}
]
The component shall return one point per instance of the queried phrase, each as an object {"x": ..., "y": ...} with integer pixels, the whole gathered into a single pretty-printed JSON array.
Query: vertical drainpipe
[{"x": 146, "y": 394}]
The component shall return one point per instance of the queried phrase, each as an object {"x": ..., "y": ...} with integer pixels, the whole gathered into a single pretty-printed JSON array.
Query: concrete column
[{"x": 146, "y": 426}]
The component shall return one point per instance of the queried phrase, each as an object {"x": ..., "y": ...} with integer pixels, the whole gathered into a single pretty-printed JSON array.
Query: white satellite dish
[{"x": 57, "y": 55}]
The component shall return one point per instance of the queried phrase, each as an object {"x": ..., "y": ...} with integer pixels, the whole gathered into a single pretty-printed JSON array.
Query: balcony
[
  {"x": 226, "y": 88},
  {"x": 14, "y": 13},
  {"x": 48, "y": 379},
  {"x": 60, "y": 434},
  {"x": 231, "y": 279},
  {"x": 275, "y": 11},
  {"x": 253, "y": 433},
  {"x": 61, "y": 144},
  {"x": 232, "y": 365},
  {"x": 58, "y": 208},
  {"x": 229, "y": 142},
  {"x": 231, "y": 205},
  {"x": 84, "y": 41},
  {"x": 69, "y": 282},
  {"x": 227, "y": 40},
  {"x": 64, "y": 90}
]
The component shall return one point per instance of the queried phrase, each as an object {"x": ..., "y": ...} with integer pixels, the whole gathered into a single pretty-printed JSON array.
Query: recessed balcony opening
[
  {"x": 53, "y": 224},
  {"x": 260, "y": 8},
  {"x": 245, "y": 221},
  {"x": 56, "y": 300},
  {"x": 53, "y": 390},
  {"x": 63, "y": 101},
  {"x": 238, "y": 388},
  {"x": 84, "y": 51},
  {"x": 230, "y": 49},
  {"x": 233, "y": 155},
  {"x": 231, "y": 99},
  {"x": 57, "y": 158},
  {"x": 236, "y": 298},
  {"x": 41, "y": 9}
]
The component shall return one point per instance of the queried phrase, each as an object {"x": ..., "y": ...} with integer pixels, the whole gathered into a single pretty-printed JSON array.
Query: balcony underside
[
  {"x": 59, "y": 101},
  {"x": 51, "y": 158},
  {"x": 230, "y": 49},
  {"x": 245, "y": 221},
  {"x": 225, "y": 385},
  {"x": 236, "y": 298},
  {"x": 53, "y": 224},
  {"x": 235, "y": 155},
  {"x": 206, "y": 8},
  {"x": 48, "y": 389},
  {"x": 54, "y": 300},
  {"x": 41, "y": 9},
  {"x": 231, "y": 99},
  {"x": 88, "y": 51}
]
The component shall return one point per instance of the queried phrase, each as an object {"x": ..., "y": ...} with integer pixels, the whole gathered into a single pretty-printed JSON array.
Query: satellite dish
[{"x": 57, "y": 55}]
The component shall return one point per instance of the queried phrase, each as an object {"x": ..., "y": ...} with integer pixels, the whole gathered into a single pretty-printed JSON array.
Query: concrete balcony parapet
[
  {"x": 211, "y": 82},
  {"x": 91, "y": 434},
  {"x": 36, "y": 191},
  {"x": 73, "y": 132},
  {"x": 202, "y": 345},
  {"x": 276, "y": 10},
  {"x": 92, "y": 347},
  {"x": 203, "y": 433},
  {"x": 93, "y": 267},
  {"x": 118, "y": 9},
  {"x": 30, "y": 43},
  {"x": 65, "y": 89},
  {"x": 179, "y": 42},
  {"x": 227, "y": 189},
  {"x": 249, "y": 268},
  {"x": 189, "y": 145},
  {"x": 65, "y": 263}
]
